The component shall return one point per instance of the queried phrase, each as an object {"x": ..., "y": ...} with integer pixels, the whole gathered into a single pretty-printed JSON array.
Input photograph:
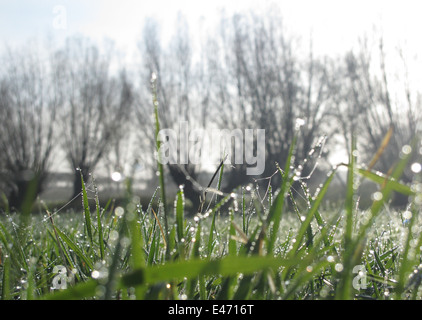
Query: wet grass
[{"x": 240, "y": 247}]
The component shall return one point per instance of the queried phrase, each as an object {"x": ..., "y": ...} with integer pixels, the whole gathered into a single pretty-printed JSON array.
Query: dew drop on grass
[
  {"x": 406, "y": 149},
  {"x": 377, "y": 196},
  {"x": 338, "y": 267},
  {"x": 119, "y": 211},
  {"x": 116, "y": 176},
  {"x": 416, "y": 167},
  {"x": 299, "y": 123},
  {"x": 407, "y": 215}
]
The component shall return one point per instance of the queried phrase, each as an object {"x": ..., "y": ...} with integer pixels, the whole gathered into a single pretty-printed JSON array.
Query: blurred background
[{"x": 75, "y": 89}]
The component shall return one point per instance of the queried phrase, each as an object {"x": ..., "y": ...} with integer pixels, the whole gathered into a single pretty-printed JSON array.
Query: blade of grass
[
  {"x": 159, "y": 159},
  {"x": 79, "y": 291},
  {"x": 226, "y": 266},
  {"x": 276, "y": 210},
  {"x": 137, "y": 258},
  {"x": 6, "y": 294},
  {"x": 407, "y": 261},
  {"x": 87, "y": 212},
  {"x": 387, "y": 189},
  {"x": 72, "y": 245},
  {"x": 382, "y": 147},
  {"x": 345, "y": 287},
  {"x": 99, "y": 227},
  {"x": 304, "y": 277},
  {"x": 151, "y": 253},
  {"x": 165, "y": 239},
  {"x": 381, "y": 179},
  {"x": 179, "y": 212},
  {"x": 310, "y": 214}
]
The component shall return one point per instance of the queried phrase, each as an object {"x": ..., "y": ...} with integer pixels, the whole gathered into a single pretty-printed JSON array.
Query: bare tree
[
  {"x": 269, "y": 86},
  {"x": 176, "y": 95},
  {"x": 28, "y": 104},
  {"x": 96, "y": 107},
  {"x": 371, "y": 105}
]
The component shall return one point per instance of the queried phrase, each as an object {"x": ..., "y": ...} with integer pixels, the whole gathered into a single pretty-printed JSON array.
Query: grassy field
[{"x": 238, "y": 247}]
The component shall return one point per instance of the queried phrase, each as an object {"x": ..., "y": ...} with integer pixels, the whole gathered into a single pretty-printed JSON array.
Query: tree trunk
[{"x": 28, "y": 186}]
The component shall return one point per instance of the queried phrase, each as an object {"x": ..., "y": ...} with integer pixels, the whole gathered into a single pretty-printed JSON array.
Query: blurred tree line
[{"x": 81, "y": 102}]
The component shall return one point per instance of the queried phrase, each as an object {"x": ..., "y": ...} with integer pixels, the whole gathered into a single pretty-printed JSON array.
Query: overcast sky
[{"x": 334, "y": 24}]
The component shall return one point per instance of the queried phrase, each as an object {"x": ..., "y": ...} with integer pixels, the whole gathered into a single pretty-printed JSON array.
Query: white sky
[{"x": 335, "y": 24}]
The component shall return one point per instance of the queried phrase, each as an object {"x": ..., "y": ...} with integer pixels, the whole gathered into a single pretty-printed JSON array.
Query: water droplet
[
  {"x": 114, "y": 235},
  {"x": 299, "y": 123},
  {"x": 416, "y": 167},
  {"x": 338, "y": 267},
  {"x": 377, "y": 196},
  {"x": 407, "y": 215},
  {"x": 406, "y": 149},
  {"x": 119, "y": 211},
  {"x": 116, "y": 176}
]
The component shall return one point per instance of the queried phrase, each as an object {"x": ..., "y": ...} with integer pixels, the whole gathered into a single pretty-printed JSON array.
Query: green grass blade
[
  {"x": 6, "y": 294},
  {"x": 159, "y": 159},
  {"x": 232, "y": 234},
  {"x": 226, "y": 266},
  {"x": 304, "y": 277},
  {"x": 99, "y": 228},
  {"x": 179, "y": 212},
  {"x": 87, "y": 212},
  {"x": 136, "y": 241},
  {"x": 80, "y": 291},
  {"x": 276, "y": 210},
  {"x": 72, "y": 245},
  {"x": 345, "y": 288},
  {"x": 210, "y": 245},
  {"x": 387, "y": 189},
  {"x": 381, "y": 179},
  {"x": 310, "y": 214},
  {"x": 152, "y": 248},
  {"x": 137, "y": 258},
  {"x": 407, "y": 262}
]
